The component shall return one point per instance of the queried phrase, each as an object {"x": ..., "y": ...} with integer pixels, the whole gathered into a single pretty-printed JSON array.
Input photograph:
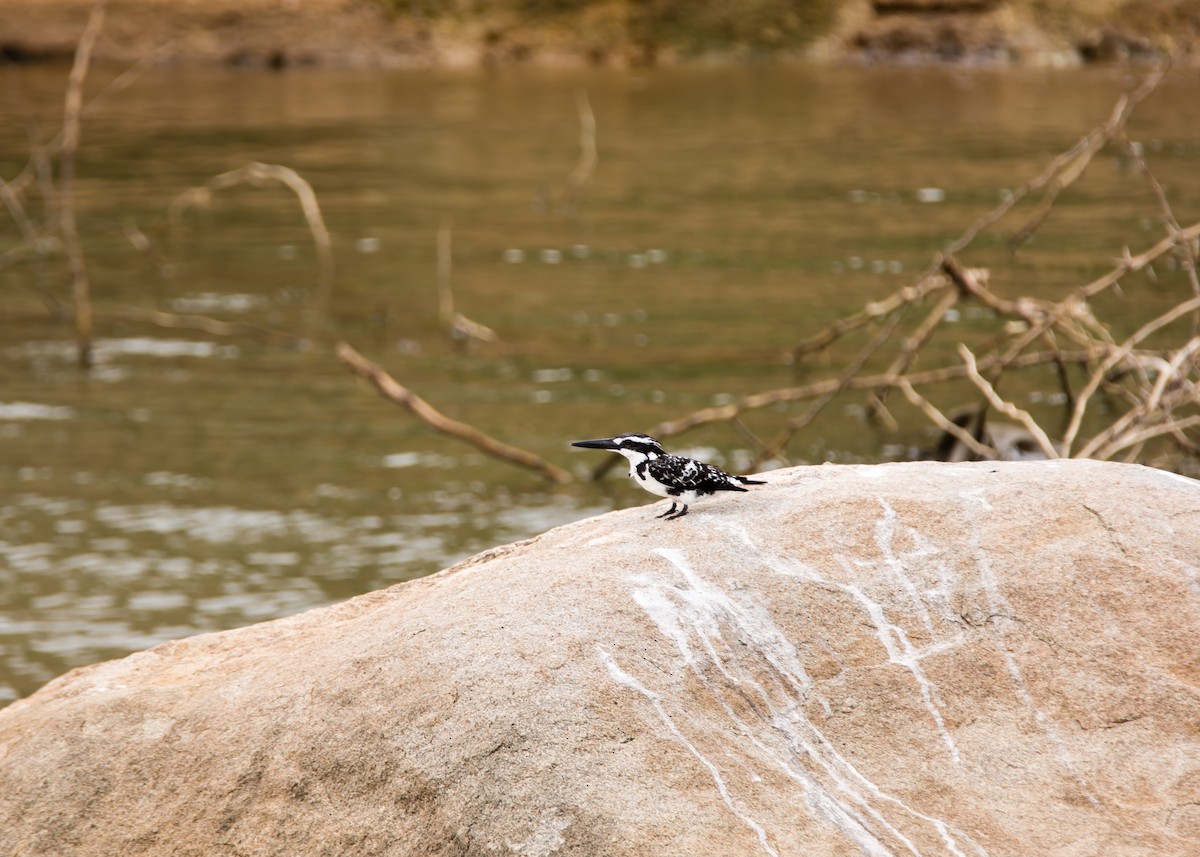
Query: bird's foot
[
  {"x": 668, "y": 512},
  {"x": 678, "y": 514}
]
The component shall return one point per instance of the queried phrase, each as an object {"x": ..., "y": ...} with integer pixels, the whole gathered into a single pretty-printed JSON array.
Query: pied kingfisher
[{"x": 669, "y": 475}]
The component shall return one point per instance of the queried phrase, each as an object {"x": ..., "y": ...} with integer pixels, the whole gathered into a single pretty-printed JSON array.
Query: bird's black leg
[
  {"x": 679, "y": 514},
  {"x": 669, "y": 511}
]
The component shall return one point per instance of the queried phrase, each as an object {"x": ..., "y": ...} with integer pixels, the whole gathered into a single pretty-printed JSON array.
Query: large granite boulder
[{"x": 915, "y": 659}]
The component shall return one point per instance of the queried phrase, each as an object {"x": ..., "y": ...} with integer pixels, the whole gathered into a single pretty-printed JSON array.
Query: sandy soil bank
[{"x": 280, "y": 33}]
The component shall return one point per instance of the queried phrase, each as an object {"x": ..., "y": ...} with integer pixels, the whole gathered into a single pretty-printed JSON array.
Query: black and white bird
[{"x": 681, "y": 479}]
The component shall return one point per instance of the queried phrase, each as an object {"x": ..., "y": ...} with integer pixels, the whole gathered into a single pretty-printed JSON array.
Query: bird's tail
[{"x": 747, "y": 481}]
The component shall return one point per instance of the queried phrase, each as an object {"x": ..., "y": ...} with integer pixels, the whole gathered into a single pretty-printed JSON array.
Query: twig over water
[{"x": 394, "y": 391}]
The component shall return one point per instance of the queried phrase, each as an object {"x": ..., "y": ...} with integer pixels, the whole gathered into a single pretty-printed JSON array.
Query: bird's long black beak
[{"x": 601, "y": 443}]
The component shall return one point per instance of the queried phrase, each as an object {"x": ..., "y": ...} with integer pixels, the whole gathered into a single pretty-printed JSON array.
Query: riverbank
[{"x": 396, "y": 33}]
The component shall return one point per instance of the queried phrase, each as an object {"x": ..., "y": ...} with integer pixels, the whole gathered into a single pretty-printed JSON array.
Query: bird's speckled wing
[{"x": 690, "y": 475}]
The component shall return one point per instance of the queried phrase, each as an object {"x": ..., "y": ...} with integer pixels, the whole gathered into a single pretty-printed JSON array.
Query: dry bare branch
[
  {"x": 1140, "y": 437},
  {"x": 783, "y": 395},
  {"x": 261, "y": 175},
  {"x": 1124, "y": 370},
  {"x": 1004, "y": 407},
  {"x": 912, "y": 344},
  {"x": 1115, "y": 356},
  {"x": 775, "y": 449},
  {"x": 394, "y": 391},
  {"x": 1068, "y": 167},
  {"x": 874, "y": 310},
  {"x": 80, "y": 289},
  {"x": 945, "y": 423},
  {"x": 1173, "y": 228},
  {"x": 1148, "y": 408}
]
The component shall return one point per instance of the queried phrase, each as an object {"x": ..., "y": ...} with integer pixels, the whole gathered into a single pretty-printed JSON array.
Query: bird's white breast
[
  {"x": 647, "y": 482},
  {"x": 635, "y": 458}
]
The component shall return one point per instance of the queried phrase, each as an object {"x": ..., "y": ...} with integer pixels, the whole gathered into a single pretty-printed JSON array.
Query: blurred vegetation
[
  {"x": 688, "y": 26},
  {"x": 712, "y": 24}
]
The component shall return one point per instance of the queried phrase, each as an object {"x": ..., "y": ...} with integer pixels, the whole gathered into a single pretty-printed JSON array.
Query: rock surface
[{"x": 932, "y": 659}]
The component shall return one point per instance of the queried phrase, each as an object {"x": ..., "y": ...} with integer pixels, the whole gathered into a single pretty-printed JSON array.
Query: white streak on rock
[
  {"x": 892, "y": 637},
  {"x": 709, "y": 605},
  {"x": 624, "y": 678},
  {"x": 666, "y": 617},
  {"x": 885, "y": 535},
  {"x": 807, "y": 742},
  {"x": 819, "y": 748},
  {"x": 902, "y": 653},
  {"x": 849, "y": 801}
]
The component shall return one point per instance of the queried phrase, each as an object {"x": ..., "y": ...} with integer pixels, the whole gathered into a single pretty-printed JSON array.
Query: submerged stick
[
  {"x": 394, "y": 391},
  {"x": 178, "y": 321},
  {"x": 72, "y": 108},
  {"x": 445, "y": 295}
]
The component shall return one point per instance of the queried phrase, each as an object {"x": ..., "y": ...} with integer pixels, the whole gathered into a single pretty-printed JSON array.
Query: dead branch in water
[
  {"x": 394, "y": 391},
  {"x": 72, "y": 108},
  {"x": 56, "y": 226},
  {"x": 262, "y": 175}
]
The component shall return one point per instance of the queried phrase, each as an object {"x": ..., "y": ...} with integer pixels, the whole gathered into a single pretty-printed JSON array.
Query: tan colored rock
[{"x": 932, "y": 659}]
